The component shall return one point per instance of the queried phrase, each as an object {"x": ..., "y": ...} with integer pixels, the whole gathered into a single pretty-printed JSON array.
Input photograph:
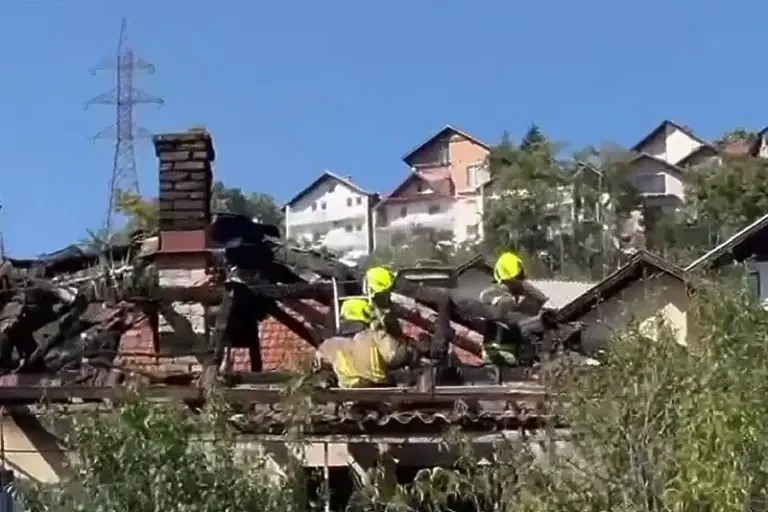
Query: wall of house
[
  {"x": 30, "y": 451},
  {"x": 672, "y": 145},
  {"x": 644, "y": 172},
  {"x": 762, "y": 146},
  {"x": 679, "y": 145},
  {"x": 332, "y": 213},
  {"x": 468, "y": 218},
  {"x": 642, "y": 301},
  {"x": 464, "y": 154},
  {"x": 401, "y": 217},
  {"x": 705, "y": 161}
]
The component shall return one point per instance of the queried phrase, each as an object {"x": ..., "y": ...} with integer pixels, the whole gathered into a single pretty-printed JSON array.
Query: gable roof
[
  {"x": 732, "y": 244},
  {"x": 642, "y": 264},
  {"x": 702, "y": 150},
  {"x": 664, "y": 124},
  {"x": 439, "y": 183},
  {"x": 324, "y": 177},
  {"x": 660, "y": 161},
  {"x": 446, "y": 130}
]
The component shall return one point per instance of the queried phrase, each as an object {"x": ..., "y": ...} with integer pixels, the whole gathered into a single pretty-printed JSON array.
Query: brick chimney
[
  {"x": 185, "y": 179},
  {"x": 183, "y": 258}
]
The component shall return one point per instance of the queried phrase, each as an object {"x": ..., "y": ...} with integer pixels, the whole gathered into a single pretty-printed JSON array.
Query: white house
[
  {"x": 332, "y": 212},
  {"x": 670, "y": 142},
  {"x": 658, "y": 170}
]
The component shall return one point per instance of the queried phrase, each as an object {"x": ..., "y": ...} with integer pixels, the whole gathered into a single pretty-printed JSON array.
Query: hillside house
[
  {"x": 656, "y": 171},
  {"x": 443, "y": 191},
  {"x": 332, "y": 212},
  {"x": 649, "y": 287},
  {"x": 645, "y": 289}
]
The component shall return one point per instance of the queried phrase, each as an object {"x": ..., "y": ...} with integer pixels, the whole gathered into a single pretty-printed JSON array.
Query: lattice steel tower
[{"x": 124, "y": 96}]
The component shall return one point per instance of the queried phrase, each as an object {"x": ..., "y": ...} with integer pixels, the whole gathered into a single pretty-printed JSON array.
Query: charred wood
[{"x": 217, "y": 342}]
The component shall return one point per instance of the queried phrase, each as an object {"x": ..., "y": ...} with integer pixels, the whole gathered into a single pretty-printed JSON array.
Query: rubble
[{"x": 201, "y": 286}]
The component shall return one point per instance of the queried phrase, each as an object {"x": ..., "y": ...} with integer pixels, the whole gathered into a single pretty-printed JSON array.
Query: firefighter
[
  {"x": 511, "y": 283},
  {"x": 366, "y": 358},
  {"x": 370, "y": 343},
  {"x": 356, "y": 314}
]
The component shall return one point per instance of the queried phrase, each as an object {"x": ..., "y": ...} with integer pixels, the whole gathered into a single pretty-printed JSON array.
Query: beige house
[
  {"x": 443, "y": 190},
  {"x": 647, "y": 289}
]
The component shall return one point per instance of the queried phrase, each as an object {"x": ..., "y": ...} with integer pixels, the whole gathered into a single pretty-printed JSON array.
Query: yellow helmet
[
  {"x": 378, "y": 280},
  {"x": 508, "y": 266},
  {"x": 356, "y": 310}
]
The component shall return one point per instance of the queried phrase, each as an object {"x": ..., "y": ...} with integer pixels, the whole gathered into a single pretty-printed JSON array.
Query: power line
[{"x": 124, "y": 96}]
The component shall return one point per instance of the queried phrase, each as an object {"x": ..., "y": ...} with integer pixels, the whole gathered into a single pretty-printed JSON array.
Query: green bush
[{"x": 658, "y": 427}]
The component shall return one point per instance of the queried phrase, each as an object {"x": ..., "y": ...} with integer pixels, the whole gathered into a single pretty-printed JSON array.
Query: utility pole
[{"x": 124, "y": 96}]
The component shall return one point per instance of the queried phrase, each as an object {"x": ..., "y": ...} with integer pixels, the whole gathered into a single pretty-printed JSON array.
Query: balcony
[{"x": 319, "y": 216}]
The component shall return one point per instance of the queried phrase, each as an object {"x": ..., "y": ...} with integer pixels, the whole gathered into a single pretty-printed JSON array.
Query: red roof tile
[{"x": 281, "y": 348}]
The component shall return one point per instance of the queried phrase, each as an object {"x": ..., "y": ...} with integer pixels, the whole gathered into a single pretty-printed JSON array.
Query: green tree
[
  {"x": 143, "y": 213},
  {"x": 523, "y": 199},
  {"x": 657, "y": 427},
  {"x": 255, "y": 205},
  {"x": 144, "y": 456},
  {"x": 735, "y": 135},
  {"x": 731, "y": 195},
  {"x": 534, "y": 138}
]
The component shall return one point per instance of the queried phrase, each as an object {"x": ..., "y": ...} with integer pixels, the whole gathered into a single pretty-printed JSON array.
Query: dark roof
[
  {"x": 441, "y": 187},
  {"x": 732, "y": 245},
  {"x": 326, "y": 176},
  {"x": 641, "y": 265},
  {"x": 447, "y": 129},
  {"x": 478, "y": 262},
  {"x": 660, "y": 128},
  {"x": 702, "y": 150},
  {"x": 660, "y": 161}
]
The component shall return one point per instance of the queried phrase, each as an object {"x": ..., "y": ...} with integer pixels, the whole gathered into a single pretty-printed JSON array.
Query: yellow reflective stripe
[
  {"x": 378, "y": 366},
  {"x": 349, "y": 375}
]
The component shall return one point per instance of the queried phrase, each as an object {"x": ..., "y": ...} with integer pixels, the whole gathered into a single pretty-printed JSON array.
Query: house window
[
  {"x": 359, "y": 227},
  {"x": 314, "y": 207},
  {"x": 650, "y": 183},
  {"x": 403, "y": 211},
  {"x": 331, "y": 187},
  {"x": 472, "y": 230},
  {"x": 419, "y": 187},
  {"x": 348, "y": 228},
  {"x": 477, "y": 175},
  {"x": 445, "y": 152},
  {"x": 322, "y": 206},
  {"x": 433, "y": 209},
  {"x": 349, "y": 201},
  {"x": 359, "y": 200},
  {"x": 753, "y": 279}
]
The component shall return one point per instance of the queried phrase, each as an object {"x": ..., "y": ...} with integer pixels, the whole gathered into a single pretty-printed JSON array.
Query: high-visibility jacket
[
  {"x": 363, "y": 359},
  {"x": 509, "y": 266}
]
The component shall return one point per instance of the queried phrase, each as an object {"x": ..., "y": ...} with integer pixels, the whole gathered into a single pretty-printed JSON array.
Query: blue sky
[{"x": 291, "y": 88}]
